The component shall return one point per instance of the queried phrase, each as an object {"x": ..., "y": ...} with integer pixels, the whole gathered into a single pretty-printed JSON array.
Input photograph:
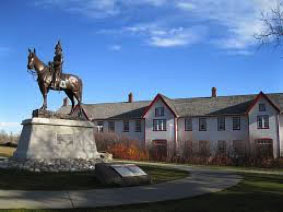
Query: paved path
[{"x": 201, "y": 181}]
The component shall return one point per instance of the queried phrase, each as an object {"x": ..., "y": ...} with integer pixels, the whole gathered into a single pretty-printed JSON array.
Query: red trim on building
[
  {"x": 264, "y": 138},
  {"x": 261, "y": 94},
  {"x": 156, "y": 98},
  {"x": 144, "y": 129},
  {"x": 176, "y": 135}
]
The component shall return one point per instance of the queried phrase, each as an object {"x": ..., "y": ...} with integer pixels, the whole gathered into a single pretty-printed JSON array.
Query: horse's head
[{"x": 31, "y": 58}]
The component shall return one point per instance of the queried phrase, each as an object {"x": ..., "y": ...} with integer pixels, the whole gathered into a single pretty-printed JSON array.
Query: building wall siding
[
  {"x": 271, "y": 133},
  {"x": 212, "y": 135},
  {"x": 160, "y": 135},
  {"x": 281, "y": 134},
  {"x": 248, "y": 132},
  {"x": 119, "y": 129}
]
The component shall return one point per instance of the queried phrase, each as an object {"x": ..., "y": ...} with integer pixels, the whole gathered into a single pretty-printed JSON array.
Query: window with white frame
[
  {"x": 138, "y": 125},
  {"x": 159, "y": 125},
  {"x": 261, "y": 107},
  {"x": 188, "y": 124},
  {"x": 111, "y": 126},
  {"x": 159, "y": 111},
  {"x": 126, "y": 125},
  {"x": 202, "y": 124},
  {"x": 100, "y": 126},
  {"x": 236, "y": 123},
  {"x": 263, "y": 122},
  {"x": 221, "y": 123}
]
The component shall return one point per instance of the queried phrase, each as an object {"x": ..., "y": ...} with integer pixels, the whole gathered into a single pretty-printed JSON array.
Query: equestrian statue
[{"x": 51, "y": 77}]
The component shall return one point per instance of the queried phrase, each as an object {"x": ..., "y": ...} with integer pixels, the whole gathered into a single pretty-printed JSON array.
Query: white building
[{"x": 241, "y": 124}]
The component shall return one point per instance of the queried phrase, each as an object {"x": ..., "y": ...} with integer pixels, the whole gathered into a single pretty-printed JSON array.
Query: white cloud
[
  {"x": 174, "y": 37},
  {"x": 9, "y": 124},
  {"x": 186, "y": 6},
  {"x": 91, "y": 8},
  {"x": 241, "y": 18},
  {"x": 115, "y": 47},
  {"x": 97, "y": 8},
  {"x": 231, "y": 24},
  {"x": 10, "y": 127},
  {"x": 157, "y": 36},
  {"x": 240, "y": 52},
  {"x": 150, "y": 2},
  {"x": 168, "y": 42}
]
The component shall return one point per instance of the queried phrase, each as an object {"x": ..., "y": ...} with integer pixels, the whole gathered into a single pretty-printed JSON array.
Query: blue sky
[{"x": 178, "y": 48}]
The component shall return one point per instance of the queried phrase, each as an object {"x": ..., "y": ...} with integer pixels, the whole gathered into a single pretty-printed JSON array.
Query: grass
[
  {"x": 162, "y": 174},
  {"x": 24, "y": 180},
  {"x": 256, "y": 192},
  {"x": 260, "y": 193},
  {"x": 239, "y": 169},
  {"x": 6, "y": 151}
]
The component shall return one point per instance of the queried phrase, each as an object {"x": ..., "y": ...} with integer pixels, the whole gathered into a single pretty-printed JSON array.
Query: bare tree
[{"x": 272, "y": 31}]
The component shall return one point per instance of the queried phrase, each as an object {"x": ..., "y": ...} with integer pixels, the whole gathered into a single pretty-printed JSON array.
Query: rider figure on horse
[{"x": 56, "y": 66}]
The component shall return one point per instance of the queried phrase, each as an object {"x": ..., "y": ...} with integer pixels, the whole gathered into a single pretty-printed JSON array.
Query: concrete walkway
[{"x": 201, "y": 181}]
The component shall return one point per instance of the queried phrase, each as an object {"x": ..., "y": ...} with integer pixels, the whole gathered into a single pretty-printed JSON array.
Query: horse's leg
[
  {"x": 78, "y": 97},
  {"x": 71, "y": 97},
  {"x": 44, "y": 92}
]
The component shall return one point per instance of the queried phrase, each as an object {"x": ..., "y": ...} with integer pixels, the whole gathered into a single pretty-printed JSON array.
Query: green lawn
[
  {"x": 24, "y": 180},
  {"x": 256, "y": 193}
]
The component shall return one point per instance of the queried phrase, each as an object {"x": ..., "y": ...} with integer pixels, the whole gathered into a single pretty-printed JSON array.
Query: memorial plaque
[
  {"x": 128, "y": 170},
  {"x": 65, "y": 138},
  {"x": 121, "y": 174}
]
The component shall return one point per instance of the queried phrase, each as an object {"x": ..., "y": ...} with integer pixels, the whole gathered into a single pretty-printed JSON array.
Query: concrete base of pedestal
[{"x": 44, "y": 138}]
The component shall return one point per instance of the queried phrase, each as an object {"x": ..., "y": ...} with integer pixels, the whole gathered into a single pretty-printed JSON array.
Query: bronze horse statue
[{"x": 72, "y": 85}]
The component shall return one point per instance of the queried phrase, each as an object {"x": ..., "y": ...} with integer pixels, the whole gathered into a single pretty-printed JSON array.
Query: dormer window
[
  {"x": 159, "y": 111},
  {"x": 263, "y": 122},
  {"x": 261, "y": 107}
]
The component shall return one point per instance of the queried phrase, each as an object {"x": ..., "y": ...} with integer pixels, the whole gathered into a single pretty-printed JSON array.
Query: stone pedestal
[{"x": 49, "y": 139}]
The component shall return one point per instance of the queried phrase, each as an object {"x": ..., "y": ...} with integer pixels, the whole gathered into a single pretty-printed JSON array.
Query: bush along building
[{"x": 236, "y": 125}]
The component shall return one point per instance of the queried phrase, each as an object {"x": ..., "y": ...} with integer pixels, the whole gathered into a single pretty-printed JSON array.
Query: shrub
[{"x": 122, "y": 147}]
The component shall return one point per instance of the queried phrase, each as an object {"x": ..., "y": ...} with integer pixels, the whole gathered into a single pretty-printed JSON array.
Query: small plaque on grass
[
  {"x": 128, "y": 170},
  {"x": 121, "y": 174}
]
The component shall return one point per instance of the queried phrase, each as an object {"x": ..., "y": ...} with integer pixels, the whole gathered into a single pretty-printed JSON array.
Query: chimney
[
  {"x": 131, "y": 98},
  {"x": 65, "y": 102},
  {"x": 213, "y": 92}
]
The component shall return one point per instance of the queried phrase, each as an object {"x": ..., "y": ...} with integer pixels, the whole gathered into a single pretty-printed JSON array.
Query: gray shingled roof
[
  {"x": 121, "y": 110},
  {"x": 202, "y": 106}
]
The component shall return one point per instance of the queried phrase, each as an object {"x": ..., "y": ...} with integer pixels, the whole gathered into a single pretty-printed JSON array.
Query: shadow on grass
[
  {"x": 256, "y": 193},
  {"x": 13, "y": 179}
]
